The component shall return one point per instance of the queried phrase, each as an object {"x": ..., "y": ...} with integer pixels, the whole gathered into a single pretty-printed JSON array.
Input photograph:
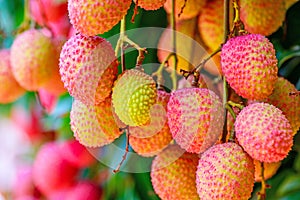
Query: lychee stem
[
  {"x": 238, "y": 26},
  {"x": 225, "y": 86},
  {"x": 120, "y": 45},
  {"x": 182, "y": 8},
  {"x": 233, "y": 104},
  {"x": 25, "y": 25},
  {"x": 262, "y": 192},
  {"x": 126, "y": 151},
  {"x": 135, "y": 11},
  {"x": 173, "y": 27}
]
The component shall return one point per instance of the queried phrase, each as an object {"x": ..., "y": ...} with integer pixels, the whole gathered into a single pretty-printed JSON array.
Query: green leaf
[{"x": 290, "y": 185}]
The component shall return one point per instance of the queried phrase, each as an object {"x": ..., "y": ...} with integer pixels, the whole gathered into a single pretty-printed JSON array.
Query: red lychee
[
  {"x": 264, "y": 132},
  {"x": 88, "y": 68},
  {"x": 250, "y": 66},
  {"x": 196, "y": 118},
  {"x": 225, "y": 171},
  {"x": 96, "y": 17}
]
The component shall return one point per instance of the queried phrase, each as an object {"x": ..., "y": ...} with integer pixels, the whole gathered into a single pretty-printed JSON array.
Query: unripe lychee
[
  {"x": 262, "y": 16},
  {"x": 88, "y": 68},
  {"x": 196, "y": 118},
  {"x": 51, "y": 171},
  {"x": 288, "y": 104},
  {"x": 77, "y": 154},
  {"x": 96, "y": 17},
  {"x": 225, "y": 171},
  {"x": 250, "y": 66},
  {"x": 264, "y": 132},
  {"x": 270, "y": 170},
  {"x": 151, "y": 4},
  {"x": 173, "y": 174},
  {"x": 10, "y": 88},
  {"x": 133, "y": 95},
  {"x": 187, "y": 43},
  {"x": 94, "y": 125},
  {"x": 150, "y": 139},
  {"x": 188, "y": 9},
  {"x": 32, "y": 59}
]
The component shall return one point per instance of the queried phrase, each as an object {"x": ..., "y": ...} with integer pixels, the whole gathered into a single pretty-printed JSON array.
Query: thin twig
[
  {"x": 225, "y": 86},
  {"x": 182, "y": 8},
  {"x": 135, "y": 11},
  {"x": 174, "y": 50},
  {"x": 126, "y": 151},
  {"x": 262, "y": 192}
]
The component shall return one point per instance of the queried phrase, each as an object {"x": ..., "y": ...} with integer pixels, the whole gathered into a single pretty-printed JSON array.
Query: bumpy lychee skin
[
  {"x": 32, "y": 59},
  {"x": 192, "y": 8},
  {"x": 151, "y": 4},
  {"x": 51, "y": 172},
  {"x": 225, "y": 171},
  {"x": 94, "y": 125},
  {"x": 262, "y": 16},
  {"x": 150, "y": 139},
  {"x": 133, "y": 95},
  {"x": 88, "y": 68},
  {"x": 96, "y": 17},
  {"x": 10, "y": 88},
  {"x": 173, "y": 174},
  {"x": 288, "y": 104},
  {"x": 264, "y": 132},
  {"x": 250, "y": 66},
  {"x": 195, "y": 117},
  {"x": 270, "y": 170}
]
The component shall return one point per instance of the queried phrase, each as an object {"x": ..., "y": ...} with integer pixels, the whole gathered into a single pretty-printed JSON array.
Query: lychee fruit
[
  {"x": 211, "y": 28},
  {"x": 250, "y": 66},
  {"x": 10, "y": 89},
  {"x": 150, "y": 139},
  {"x": 225, "y": 171},
  {"x": 150, "y": 4},
  {"x": 44, "y": 11},
  {"x": 84, "y": 190},
  {"x": 55, "y": 85},
  {"x": 173, "y": 174},
  {"x": 32, "y": 59},
  {"x": 270, "y": 170},
  {"x": 94, "y": 125},
  {"x": 186, "y": 9},
  {"x": 187, "y": 43},
  {"x": 88, "y": 68},
  {"x": 51, "y": 171},
  {"x": 96, "y": 17},
  {"x": 288, "y": 104},
  {"x": 134, "y": 93},
  {"x": 196, "y": 118},
  {"x": 77, "y": 154},
  {"x": 264, "y": 132},
  {"x": 262, "y": 16}
]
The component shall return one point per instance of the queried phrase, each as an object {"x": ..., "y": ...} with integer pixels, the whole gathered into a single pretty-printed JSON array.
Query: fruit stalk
[
  {"x": 225, "y": 87},
  {"x": 173, "y": 26},
  {"x": 126, "y": 151},
  {"x": 262, "y": 192}
]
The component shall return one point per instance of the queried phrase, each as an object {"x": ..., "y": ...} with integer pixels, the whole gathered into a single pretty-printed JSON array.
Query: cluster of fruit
[{"x": 205, "y": 144}]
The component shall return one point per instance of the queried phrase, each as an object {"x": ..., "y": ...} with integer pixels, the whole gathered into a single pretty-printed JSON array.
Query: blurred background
[{"x": 25, "y": 125}]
